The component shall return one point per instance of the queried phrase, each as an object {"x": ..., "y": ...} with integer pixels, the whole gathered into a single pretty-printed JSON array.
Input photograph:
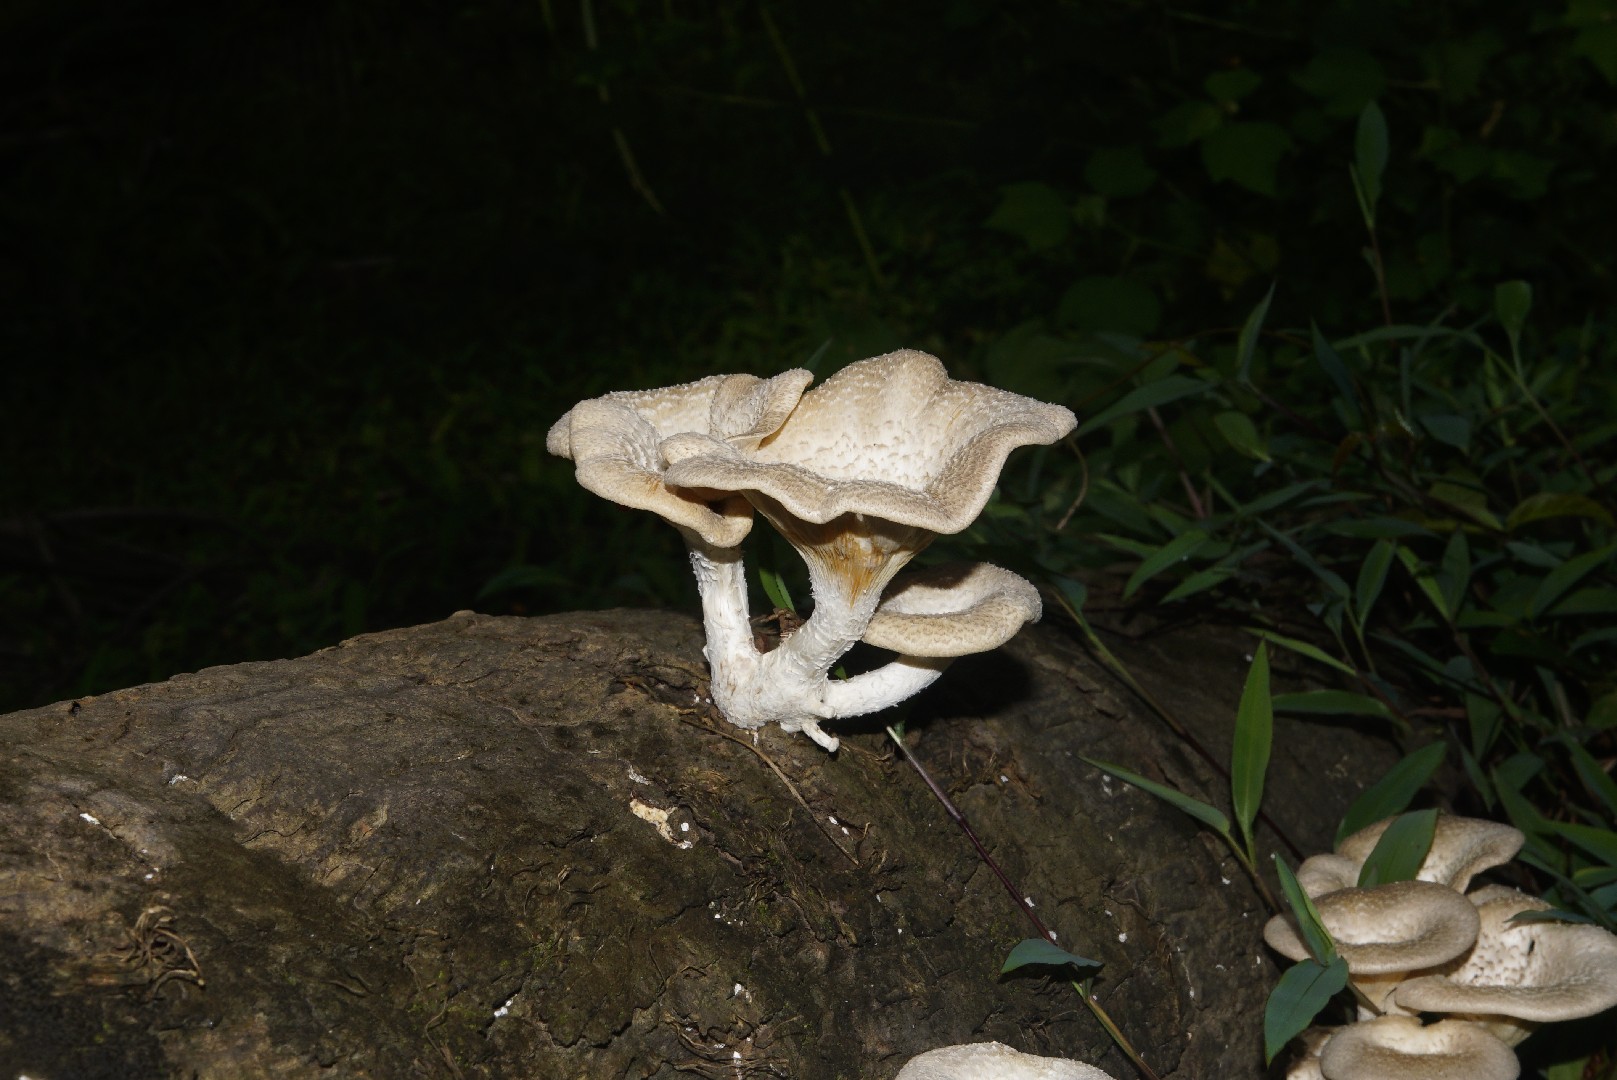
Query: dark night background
[{"x": 292, "y": 291}]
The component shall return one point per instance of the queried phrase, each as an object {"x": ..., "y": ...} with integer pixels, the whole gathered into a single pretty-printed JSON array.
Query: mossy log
[{"x": 508, "y": 847}]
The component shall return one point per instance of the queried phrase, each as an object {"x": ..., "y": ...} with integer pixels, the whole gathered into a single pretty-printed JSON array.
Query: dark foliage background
[{"x": 292, "y": 292}]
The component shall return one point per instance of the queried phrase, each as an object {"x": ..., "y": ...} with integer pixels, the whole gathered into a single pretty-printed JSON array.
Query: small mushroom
[
  {"x": 858, "y": 474},
  {"x": 1462, "y": 847},
  {"x": 1401, "y": 1048},
  {"x": 1520, "y": 975},
  {"x": 1385, "y": 933},
  {"x": 994, "y": 1061}
]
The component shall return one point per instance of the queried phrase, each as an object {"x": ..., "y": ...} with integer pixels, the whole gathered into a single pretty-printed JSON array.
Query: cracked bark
[{"x": 414, "y": 855}]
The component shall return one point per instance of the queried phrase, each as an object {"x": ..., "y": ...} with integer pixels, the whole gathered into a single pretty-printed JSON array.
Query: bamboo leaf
[
  {"x": 1042, "y": 951},
  {"x": 1332, "y": 703},
  {"x": 1568, "y": 574},
  {"x": 1303, "y": 648},
  {"x": 1174, "y": 551},
  {"x": 1210, "y": 816},
  {"x": 1303, "y": 990},
  {"x": 1428, "y": 584},
  {"x": 1329, "y": 362},
  {"x": 1309, "y": 924},
  {"x": 1332, "y": 580},
  {"x": 1372, "y": 576},
  {"x": 1512, "y": 300},
  {"x": 1402, "y": 848},
  {"x": 775, "y": 589},
  {"x": 1149, "y": 396},
  {"x": 1254, "y": 735},
  {"x": 1247, "y": 343},
  {"x": 1551, "y": 504},
  {"x": 1393, "y": 792},
  {"x": 1601, "y": 843}
]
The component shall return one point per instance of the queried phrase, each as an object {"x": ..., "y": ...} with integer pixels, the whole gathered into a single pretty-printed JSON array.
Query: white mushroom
[
  {"x": 1520, "y": 975},
  {"x": 858, "y": 475},
  {"x": 994, "y": 1061},
  {"x": 1400, "y": 1048},
  {"x": 1385, "y": 933},
  {"x": 615, "y": 441},
  {"x": 1462, "y": 847}
]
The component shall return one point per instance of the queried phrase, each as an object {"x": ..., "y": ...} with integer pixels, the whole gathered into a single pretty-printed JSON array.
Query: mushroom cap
[
  {"x": 993, "y": 1061},
  {"x": 1462, "y": 847},
  {"x": 953, "y": 610},
  {"x": 1536, "y": 971},
  {"x": 1400, "y": 926},
  {"x": 1400, "y": 1048},
  {"x": 1320, "y": 874},
  {"x": 892, "y": 437},
  {"x": 617, "y": 442}
]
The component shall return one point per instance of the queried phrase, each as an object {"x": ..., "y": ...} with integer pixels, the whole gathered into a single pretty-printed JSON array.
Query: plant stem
[{"x": 1020, "y": 900}]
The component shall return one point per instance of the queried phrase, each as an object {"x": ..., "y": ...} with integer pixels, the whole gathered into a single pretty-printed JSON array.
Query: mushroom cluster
[
  {"x": 858, "y": 474},
  {"x": 1428, "y": 946}
]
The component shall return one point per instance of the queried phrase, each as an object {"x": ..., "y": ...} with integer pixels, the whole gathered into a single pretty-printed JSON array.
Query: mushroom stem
[
  {"x": 885, "y": 687},
  {"x": 721, "y": 580}
]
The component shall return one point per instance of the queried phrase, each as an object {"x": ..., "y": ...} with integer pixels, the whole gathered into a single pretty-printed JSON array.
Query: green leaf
[
  {"x": 1207, "y": 815},
  {"x": 1187, "y": 122},
  {"x": 1512, "y": 300},
  {"x": 1456, "y": 573},
  {"x": 1034, "y": 212},
  {"x": 1309, "y": 924},
  {"x": 1568, "y": 574},
  {"x": 1042, "y": 951},
  {"x": 775, "y": 589},
  {"x": 1372, "y": 575},
  {"x": 1370, "y": 151},
  {"x": 1241, "y": 433},
  {"x": 1448, "y": 429},
  {"x": 1601, "y": 843},
  {"x": 1332, "y": 580},
  {"x": 1330, "y": 363},
  {"x": 1345, "y": 79},
  {"x": 1247, "y": 154},
  {"x": 1485, "y": 718},
  {"x": 1550, "y": 504},
  {"x": 1233, "y": 85},
  {"x": 1149, "y": 396},
  {"x": 1402, "y": 848},
  {"x": 1174, "y": 551},
  {"x": 1594, "y": 777},
  {"x": 1254, "y": 735},
  {"x": 1332, "y": 703},
  {"x": 1200, "y": 581},
  {"x": 1247, "y": 343},
  {"x": 1119, "y": 172},
  {"x": 1428, "y": 584},
  {"x": 1303, "y": 648},
  {"x": 1393, "y": 792},
  {"x": 1303, "y": 990}
]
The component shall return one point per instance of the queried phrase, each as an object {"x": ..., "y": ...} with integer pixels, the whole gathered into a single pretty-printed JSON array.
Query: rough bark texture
[{"x": 503, "y": 847}]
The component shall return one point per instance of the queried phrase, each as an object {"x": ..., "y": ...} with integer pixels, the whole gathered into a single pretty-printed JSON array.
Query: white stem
[
  {"x": 790, "y": 684},
  {"x": 885, "y": 687}
]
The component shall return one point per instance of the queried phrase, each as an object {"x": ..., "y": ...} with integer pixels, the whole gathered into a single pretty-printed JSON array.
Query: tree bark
[{"x": 500, "y": 847}]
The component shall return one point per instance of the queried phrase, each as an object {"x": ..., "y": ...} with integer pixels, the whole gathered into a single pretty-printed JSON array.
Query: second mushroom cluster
[
  {"x": 858, "y": 474},
  {"x": 1430, "y": 947}
]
